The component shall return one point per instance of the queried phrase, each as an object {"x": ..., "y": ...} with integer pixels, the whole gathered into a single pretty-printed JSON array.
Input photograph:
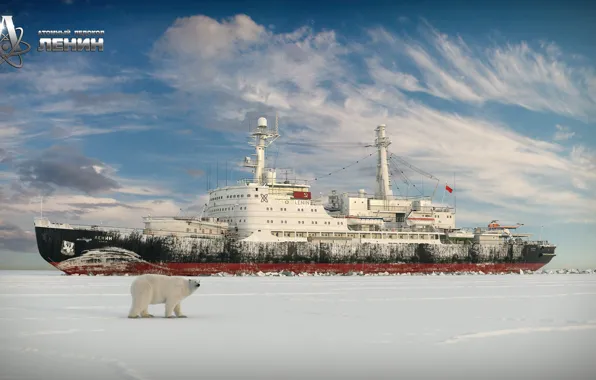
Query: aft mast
[
  {"x": 383, "y": 183},
  {"x": 261, "y": 136}
]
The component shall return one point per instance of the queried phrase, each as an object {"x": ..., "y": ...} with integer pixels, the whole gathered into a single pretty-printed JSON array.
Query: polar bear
[{"x": 151, "y": 289}]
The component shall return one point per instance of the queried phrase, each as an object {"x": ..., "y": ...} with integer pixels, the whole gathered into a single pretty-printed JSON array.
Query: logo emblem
[
  {"x": 10, "y": 43},
  {"x": 264, "y": 198}
]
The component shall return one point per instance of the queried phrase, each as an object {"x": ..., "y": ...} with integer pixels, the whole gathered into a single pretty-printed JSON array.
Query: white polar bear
[{"x": 151, "y": 289}]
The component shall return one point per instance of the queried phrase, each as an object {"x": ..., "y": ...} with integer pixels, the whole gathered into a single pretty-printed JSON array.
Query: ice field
[{"x": 410, "y": 327}]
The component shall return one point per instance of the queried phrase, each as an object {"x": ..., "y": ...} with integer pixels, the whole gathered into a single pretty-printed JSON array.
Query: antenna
[
  {"x": 276, "y": 132},
  {"x": 285, "y": 172}
]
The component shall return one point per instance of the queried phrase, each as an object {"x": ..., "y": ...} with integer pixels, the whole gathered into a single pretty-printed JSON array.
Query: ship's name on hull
[
  {"x": 103, "y": 238},
  {"x": 301, "y": 202}
]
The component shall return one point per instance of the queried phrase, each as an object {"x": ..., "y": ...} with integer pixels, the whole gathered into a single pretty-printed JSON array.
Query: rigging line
[
  {"x": 345, "y": 167},
  {"x": 331, "y": 143},
  {"x": 404, "y": 174},
  {"x": 400, "y": 172},
  {"x": 413, "y": 167},
  {"x": 276, "y": 155},
  {"x": 418, "y": 170},
  {"x": 393, "y": 183}
]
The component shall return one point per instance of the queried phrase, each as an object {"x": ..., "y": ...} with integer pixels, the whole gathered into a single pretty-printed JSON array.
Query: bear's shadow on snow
[{"x": 201, "y": 316}]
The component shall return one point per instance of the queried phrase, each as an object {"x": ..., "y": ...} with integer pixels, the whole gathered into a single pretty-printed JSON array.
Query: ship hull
[
  {"x": 85, "y": 251},
  {"x": 204, "y": 269}
]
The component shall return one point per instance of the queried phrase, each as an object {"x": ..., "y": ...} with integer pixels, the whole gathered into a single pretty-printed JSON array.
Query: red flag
[{"x": 450, "y": 190}]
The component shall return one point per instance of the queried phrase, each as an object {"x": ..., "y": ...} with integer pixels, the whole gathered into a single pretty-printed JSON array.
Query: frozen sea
[{"x": 413, "y": 327}]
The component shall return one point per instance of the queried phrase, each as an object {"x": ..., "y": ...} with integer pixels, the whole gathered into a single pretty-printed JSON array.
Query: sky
[{"x": 496, "y": 99}]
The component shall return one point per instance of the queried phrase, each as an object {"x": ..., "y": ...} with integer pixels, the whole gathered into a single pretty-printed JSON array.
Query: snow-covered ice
[{"x": 352, "y": 327}]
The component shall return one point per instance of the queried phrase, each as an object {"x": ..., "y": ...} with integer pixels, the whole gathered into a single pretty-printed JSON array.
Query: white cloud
[
  {"x": 59, "y": 77},
  {"x": 536, "y": 79},
  {"x": 563, "y": 133},
  {"x": 206, "y": 38},
  {"x": 68, "y": 130},
  {"x": 92, "y": 210},
  {"x": 7, "y": 132},
  {"x": 303, "y": 74},
  {"x": 83, "y": 209}
]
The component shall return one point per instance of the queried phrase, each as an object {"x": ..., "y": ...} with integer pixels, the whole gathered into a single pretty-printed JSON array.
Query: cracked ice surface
[{"x": 274, "y": 327}]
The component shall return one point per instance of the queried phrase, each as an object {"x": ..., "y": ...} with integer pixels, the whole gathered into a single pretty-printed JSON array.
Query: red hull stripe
[{"x": 194, "y": 269}]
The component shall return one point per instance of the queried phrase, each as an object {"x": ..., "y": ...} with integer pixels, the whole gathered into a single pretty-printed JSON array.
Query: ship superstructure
[{"x": 265, "y": 209}]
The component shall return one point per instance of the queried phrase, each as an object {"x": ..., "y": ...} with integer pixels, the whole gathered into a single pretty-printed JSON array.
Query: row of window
[
  {"x": 270, "y": 221},
  {"x": 312, "y": 222},
  {"x": 232, "y": 196},
  {"x": 365, "y": 235},
  {"x": 221, "y": 209},
  {"x": 202, "y": 230}
]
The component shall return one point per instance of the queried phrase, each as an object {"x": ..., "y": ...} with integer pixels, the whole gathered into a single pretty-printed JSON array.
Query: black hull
[{"x": 69, "y": 245}]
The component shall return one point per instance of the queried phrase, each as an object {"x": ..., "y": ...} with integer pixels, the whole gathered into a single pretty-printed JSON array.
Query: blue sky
[{"x": 503, "y": 94}]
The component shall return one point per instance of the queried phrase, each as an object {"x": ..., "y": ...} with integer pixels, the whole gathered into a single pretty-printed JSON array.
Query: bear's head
[{"x": 194, "y": 285}]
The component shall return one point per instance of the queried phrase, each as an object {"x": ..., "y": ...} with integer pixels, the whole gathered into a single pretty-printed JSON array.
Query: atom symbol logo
[{"x": 10, "y": 43}]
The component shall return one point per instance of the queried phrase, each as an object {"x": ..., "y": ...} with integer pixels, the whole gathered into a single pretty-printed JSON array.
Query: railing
[
  {"x": 156, "y": 217},
  {"x": 91, "y": 227},
  {"x": 191, "y": 234},
  {"x": 389, "y": 198},
  {"x": 539, "y": 242},
  {"x": 442, "y": 209},
  {"x": 278, "y": 181},
  {"x": 205, "y": 219}
]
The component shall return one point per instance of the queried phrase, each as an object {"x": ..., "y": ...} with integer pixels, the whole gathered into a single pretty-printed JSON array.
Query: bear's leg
[
  {"x": 145, "y": 314},
  {"x": 169, "y": 308},
  {"x": 178, "y": 312},
  {"x": 133, "y": 313},
  {"x": 135, "y": 309},
  {"x": 140, "y": 302}
]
